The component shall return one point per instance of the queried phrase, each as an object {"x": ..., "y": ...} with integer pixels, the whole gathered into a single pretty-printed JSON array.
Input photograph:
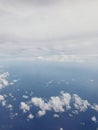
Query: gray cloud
[
  {"x": 31, "y": 2},
  {"x": 56, "y": 27}
]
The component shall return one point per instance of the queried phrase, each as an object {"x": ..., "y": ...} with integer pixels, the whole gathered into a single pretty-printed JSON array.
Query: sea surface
[{"x": 45, "y": 80}]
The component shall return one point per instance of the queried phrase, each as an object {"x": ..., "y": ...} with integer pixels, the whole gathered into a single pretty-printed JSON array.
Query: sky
[{"x": 52, "y": 30}]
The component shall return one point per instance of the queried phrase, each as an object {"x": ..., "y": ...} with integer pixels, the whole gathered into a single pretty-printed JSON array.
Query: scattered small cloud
[
  {"x": 25, "y": 96},
  {"x": 2, "y": 100},
  {"x": 94, "y": 119},
  {"x": 10, "y": 107},
  {"x": 24, "y": 107},
  {"x": 95, "y": 107},
  {"x": 61, "y": 129},
  {"x": 30, "y": 116},
  {"x": 4, "y": 82},
  {"x": 41, "y": 113},
  {"x": 56, "y": 116}
]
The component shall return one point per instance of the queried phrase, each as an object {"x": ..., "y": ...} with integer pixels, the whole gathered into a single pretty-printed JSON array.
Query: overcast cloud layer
[{"x": 45, "y": 28}]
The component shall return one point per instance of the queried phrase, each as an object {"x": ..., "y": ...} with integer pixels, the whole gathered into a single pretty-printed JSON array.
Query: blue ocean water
[{"x": 45, "y": 80}]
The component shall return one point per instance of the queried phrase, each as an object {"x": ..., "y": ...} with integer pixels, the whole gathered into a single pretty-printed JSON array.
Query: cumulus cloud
[
  {"x": 1, "y": 98},
  {"x": 30, "y": 116},
  {"x": 10, "y": 107},
  {"x": 55, "y": 103},
  {"x": 4, "y": 80},
  {"x": 94, "y": 119},
  {"x": 65, "y": 102},
  {"x": 61, "y": 129},
  {"x": 80, "y": 104},
  {"x": 39, "y": 102},
  {"x": 41, "y": 113},
  {"x": 95, "y": 107},
  {"x": 56, "y": 116},
  {"x": 58, "y": 104},
  {"x": 5, "y": 103},
  {"x": 24, "y": 107}
]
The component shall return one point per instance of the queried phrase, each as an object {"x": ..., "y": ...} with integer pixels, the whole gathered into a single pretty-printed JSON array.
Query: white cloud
[
  {"x": 25, "y": 97},
  {"x": 41, "y": 113},
  {"x": 55, "y": 103},
  {"x": 5, "y": 103},
  {"x": 4, "y": 80},
  {"x": 94, "y": 119},
  {"x": 2, "y": 98},
  {"x": 10, "y": 107},
  {"x": 61, "y": 58},
  {"x": 58, "y": 104},
  {"x": 80, "y": 104},
  {"x": 25, "y": 107},
  {"x": 66, "y": 99},
  {"x": 13, "y": 82},
  {"x": 56, "y": 116},
  {"x": 61, "y": 129},
  {"x": 95, "y": 107},
  {"x": 39, "y": 102},
  {"x": 30, "y": 116}
]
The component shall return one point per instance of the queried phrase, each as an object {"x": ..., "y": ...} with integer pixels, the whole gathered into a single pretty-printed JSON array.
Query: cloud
[
  {"x": 10, "y": 107},
  {"x": 25, "y": 97},
  {"x": 61, "y": 129},
  {"x": 2, "y": 98},
  {"x": 56, "y": 116},
  {"x": 4, "y": 102},
  {"x": 60, "y": 58},
  {"x": 41, "y": 28},
  {"x": 80, "y": 104},
  {"x": 65, "y": 102},
  {"x": 13, "y": 82},
  {"x": 41, "y": 113},
  {"x": 13, "y": 115},
  {"x": 25, "y": 107},
  {"x": 95, "y": 107},
  {"x": 58, "y": 104},
  {"x": 4, "y": 80},
  {"x": 30, "y": 116},
  {"x": 94, "y": 119},
  {"x": 39, "y": 102}
]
